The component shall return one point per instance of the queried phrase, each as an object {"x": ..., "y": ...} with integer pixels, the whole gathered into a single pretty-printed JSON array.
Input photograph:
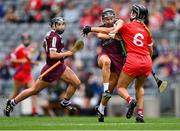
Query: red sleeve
[
  {"x": 122, "y": 29},
  {"x": 19, "y": 53}
]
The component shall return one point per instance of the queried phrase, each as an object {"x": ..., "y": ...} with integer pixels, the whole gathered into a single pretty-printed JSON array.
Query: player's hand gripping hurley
[{"x": 77, "y": 46}]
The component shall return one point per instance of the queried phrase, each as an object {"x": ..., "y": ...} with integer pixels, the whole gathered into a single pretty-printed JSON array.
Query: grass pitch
[{"x": 87, "y": 123}]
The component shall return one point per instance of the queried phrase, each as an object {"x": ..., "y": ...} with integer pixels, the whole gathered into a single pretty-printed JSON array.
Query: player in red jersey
[
  {"x": 111, "y": 60},
  {"x": 22, "y": 63},
  {"x": 138, "y": 42},
  {"x": 53, "y": 46}
]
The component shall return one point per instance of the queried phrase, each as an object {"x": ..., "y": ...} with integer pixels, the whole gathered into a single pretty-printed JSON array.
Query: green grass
[{"x": 87, "y": 123}]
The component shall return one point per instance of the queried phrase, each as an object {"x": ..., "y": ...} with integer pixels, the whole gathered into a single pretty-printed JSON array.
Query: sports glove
[
  {"x": 112, "y": 35},
  {"x": 86, "y": 30}
]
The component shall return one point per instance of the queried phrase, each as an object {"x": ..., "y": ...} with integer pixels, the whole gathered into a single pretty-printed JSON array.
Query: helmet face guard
[
  {"x": 108, "y": 16},
  {"x": 57, "y": 20},
  {"x": 141, "y": 12}
]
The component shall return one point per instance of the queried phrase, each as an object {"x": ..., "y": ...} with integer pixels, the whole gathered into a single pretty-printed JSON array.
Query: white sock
[
  {"x": 101, "y": 108},
  {"x": 106, "y": 86},
  {"x": 13, "y": 102},
  {"x": 65, "y": 101}
]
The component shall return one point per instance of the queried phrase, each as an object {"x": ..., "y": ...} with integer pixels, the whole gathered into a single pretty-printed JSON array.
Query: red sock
[
  {"x": 34, "y": 110},
  {"x": 129, "y": 99},
  {"x": 140, "y": 111}
]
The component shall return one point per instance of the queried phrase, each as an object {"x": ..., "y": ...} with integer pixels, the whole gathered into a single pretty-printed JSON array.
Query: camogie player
[
  {"x": 53, "y": 46},
  {"x": 22, "y": 63},
  {"x": 138, "y": 65},
  {"x": 111, "y": 60}
]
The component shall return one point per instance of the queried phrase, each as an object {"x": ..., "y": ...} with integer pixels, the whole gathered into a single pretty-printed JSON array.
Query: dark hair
[{"x": 25, "y": 36}]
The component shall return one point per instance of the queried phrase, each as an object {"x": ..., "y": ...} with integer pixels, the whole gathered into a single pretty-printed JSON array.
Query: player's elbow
[
  {"x": 77, "y": 83},
  {"x": 53, "y": 55},
  {"x": 119, "y": 23}
]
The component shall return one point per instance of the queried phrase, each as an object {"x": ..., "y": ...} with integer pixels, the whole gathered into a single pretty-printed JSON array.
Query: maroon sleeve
[{"x": 53, "y": 43}]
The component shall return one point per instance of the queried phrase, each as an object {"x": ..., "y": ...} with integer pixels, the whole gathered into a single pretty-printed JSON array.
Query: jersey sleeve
[
  {"x": 13, "y": 55},
  {"x": 122, "y": 29},
  {"x": 18, "y": 52},
  {"x": 53, "y": 44}
]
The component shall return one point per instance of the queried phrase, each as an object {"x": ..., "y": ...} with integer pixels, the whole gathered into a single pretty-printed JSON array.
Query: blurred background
[{"x": 32, "y": 16}]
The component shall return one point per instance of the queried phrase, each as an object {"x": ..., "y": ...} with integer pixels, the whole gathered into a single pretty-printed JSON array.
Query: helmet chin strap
[{"x": 60, "y": 32}]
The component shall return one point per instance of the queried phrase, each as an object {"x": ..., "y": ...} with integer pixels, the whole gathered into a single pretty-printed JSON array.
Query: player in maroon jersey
[
  {"x": 53, "y": 46},
  {"x": 111, "y": 60},
  {"x": 22, "y": 63}
]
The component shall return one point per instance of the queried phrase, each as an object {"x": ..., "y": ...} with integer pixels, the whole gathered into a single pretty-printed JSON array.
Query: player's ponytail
[{"x": 146, "y": 28}]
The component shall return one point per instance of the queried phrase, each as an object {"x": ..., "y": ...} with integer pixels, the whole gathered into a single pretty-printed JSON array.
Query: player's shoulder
[
  {"x": 51, "y": 34},
  {"x": 19, "y": 48},
  {"x": 130, "y": 26}
]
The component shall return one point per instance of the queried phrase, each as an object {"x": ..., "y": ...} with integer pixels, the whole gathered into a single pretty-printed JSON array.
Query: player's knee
[
  {"x": 107, "y": 63},
  {"x": 78, "y": 83}
]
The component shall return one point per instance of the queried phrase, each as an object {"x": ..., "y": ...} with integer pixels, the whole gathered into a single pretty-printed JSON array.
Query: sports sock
[
  {"x": 34, "y": 110},
  {"x": 101, "y": 108},
  {"x": 140, "y": 111},
  {"x": 106, "y": 86},
  {"x": 65, "y": 101},
  {"x": 129, "y": 99}
]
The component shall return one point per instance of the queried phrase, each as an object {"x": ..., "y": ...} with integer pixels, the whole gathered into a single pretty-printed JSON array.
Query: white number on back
[{"x": 137, "y": 39}]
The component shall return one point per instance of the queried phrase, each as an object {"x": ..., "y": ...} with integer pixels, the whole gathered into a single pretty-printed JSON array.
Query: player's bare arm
[
  {"x": 106, "y": 36},
  {"x": 56, "y": 55},
  {"x": 117, "y": 26},
  {"x": 151, "y": 50},
  {"x": 14, "y": 60},
  {"x": 104, "y": 30}
]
